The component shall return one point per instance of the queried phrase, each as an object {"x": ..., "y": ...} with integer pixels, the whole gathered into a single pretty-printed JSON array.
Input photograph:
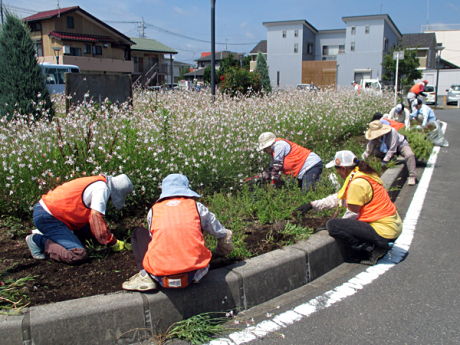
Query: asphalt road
[{"x": 416, "y": 301}]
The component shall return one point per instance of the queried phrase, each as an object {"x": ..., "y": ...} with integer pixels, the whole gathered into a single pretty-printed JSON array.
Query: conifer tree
[
  {"x": 262, "y": 69},
  {"x": 22, "y": 85}
]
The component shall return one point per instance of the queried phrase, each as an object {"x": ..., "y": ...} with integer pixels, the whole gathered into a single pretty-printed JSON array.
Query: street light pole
[
  {"x": 438, "y": 58},
  {"x": 213, "y": 48},
  {"x": 56, "y": 53}
]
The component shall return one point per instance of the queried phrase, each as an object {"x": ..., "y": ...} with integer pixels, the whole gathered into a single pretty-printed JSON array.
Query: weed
[
  {"x": 299, "y": 232},
  {"x": 11, "y": 294},
  {"x": 95, "y": 251}
]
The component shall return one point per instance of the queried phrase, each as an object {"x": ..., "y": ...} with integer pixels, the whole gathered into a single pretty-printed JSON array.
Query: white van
[
  {"x": 54, "y": 75},
  {"x": 371, "y": 85}
]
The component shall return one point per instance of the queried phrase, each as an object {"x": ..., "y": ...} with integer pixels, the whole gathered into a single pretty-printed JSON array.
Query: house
[
  {"x": 204, "y": 61},
  {"x": 260, "y": 47},
  {"x": 151, "y": 66},
  {"x": 179, "y": 68},
  {"x": 73, "y": 36},
  {"x": 301, "y": 54},
  {"x": 425, "y": 45},
  {"x": 448, "y": 37}
]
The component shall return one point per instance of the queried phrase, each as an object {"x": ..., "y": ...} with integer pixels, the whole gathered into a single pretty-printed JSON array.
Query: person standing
[
  {"x": 70, "y": 208},
  {"x": 171, "y": 252},
  {"x": 291, "y": 159},
  {"x": 371, "y": 220},
  {"x": 415, "y": 91},
  {"x": 385, "y": 142},
  {"x": 356, "y": 86}
]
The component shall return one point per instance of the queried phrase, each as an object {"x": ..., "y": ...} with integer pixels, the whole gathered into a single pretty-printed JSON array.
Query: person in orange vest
[
  {"x": 289, "y": 158},
  {"x": 385, "y": 142},
  {"x": 400, "y": 114},
  {"x": 415, "y": 91},
  {"x": 386, "y": 121},
  {"x": 172, "y": 252},
  {"x": 68, "y": 209},
  {"x": 371, "y": 220},
  {"x": 356, "y": 86}
]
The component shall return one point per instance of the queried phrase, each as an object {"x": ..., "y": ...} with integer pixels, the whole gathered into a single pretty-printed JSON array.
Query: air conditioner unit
[
  {"x": 105, "y": 45},
  {"x": 66, "y": 49}
]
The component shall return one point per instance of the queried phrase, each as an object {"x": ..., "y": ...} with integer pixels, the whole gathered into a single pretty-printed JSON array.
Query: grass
[{"x": 12, "y": 297}]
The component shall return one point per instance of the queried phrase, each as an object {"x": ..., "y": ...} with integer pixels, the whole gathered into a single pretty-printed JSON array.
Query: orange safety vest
[
  {"x": 417, "y": 88},
  {"x": 380, "y": 205},
  {"x": 295, "y": 159},
  {"x": 395, "y": 124},
  {"x": 66, "y": 202},
  {"x": 177, "y": 244}
]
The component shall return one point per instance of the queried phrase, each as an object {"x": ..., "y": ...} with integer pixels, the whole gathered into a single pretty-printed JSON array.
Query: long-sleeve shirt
[
  {"x": 393, "y": 140},
  {"x": 403, "y": 117},
  {"x": 209, "y": 222},
  {"x": 333, "y": 201},
  {"x": 426, "y": 112}
]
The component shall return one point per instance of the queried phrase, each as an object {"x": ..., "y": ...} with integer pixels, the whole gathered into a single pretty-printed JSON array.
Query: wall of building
[
  {"x": 308, "y": 37},
  {"x": 447, "y": 77},
  {"x": 327, "y": 39},
  {"x": 281, "y": 56},
  {"x": 450, "y": 40}
]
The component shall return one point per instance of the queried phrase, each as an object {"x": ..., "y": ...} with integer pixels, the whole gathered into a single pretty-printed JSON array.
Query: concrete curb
[{"x": 126, "y": 317}]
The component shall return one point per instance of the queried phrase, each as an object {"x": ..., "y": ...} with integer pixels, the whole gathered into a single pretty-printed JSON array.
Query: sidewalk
[{"x": 126, "y": 317}]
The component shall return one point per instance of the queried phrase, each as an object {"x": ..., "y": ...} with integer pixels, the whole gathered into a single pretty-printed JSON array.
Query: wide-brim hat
[
  {"x": 119, "y": 186},
  {"x": 343, "y": 158},
  {"x": 176, "y": 185},
  {"x": 266, "y": 139},
  {"x": 377, "y": 129}
]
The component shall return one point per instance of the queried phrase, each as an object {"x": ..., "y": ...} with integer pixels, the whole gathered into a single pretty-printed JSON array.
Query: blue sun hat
[{"x": 176, "y": 185}]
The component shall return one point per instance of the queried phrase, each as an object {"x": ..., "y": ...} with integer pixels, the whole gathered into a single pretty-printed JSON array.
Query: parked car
[
  {"x": 307, "y": 87},
  {"x": 430, "y": 94},
  {"x": 453, "y": 94},
  {"x": 371, "y": 86}
]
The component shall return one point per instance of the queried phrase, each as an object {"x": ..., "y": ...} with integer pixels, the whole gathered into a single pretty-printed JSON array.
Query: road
[{"x": 415, "y": 301}]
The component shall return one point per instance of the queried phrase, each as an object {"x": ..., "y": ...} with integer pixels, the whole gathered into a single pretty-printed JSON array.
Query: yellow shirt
[{"x": 360, "y": 193}]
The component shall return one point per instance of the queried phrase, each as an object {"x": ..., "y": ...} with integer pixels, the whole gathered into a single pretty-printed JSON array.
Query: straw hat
[
  {"x": 266, "y": 139},
  {"x": 377, "y": 129}
]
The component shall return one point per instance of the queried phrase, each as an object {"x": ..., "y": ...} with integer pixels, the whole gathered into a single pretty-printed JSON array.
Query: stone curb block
[{"x": 126, "y": 317}]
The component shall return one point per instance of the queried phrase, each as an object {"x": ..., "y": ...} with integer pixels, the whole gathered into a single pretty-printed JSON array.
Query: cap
[
  {"x": 399, "y": 108},
  {"x": 342, "y": 158},
  {"x": 425, "y": 82}
]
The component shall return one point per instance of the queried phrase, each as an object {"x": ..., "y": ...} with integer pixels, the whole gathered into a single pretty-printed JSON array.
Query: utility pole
[
  {"x": 226, "y": 43},
  {"x": 213, "y": 48}
]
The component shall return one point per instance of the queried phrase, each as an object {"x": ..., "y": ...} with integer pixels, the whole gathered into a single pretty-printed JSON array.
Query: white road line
[{"x": 394, "y": 256}]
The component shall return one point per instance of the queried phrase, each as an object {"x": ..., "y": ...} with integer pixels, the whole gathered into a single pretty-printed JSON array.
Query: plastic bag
[{"x": 437, "y": 135}]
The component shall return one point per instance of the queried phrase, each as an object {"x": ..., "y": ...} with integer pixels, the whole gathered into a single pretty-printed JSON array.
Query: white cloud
[
  {"x": 250, "y": 35},
  {"x": 242, "y": 25},
  {"x": 452, "y": 6},
  {"x": 180, "y": 10}
]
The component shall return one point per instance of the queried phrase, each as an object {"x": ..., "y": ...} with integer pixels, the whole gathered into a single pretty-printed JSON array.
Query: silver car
[{"x": 453, "y": 94}]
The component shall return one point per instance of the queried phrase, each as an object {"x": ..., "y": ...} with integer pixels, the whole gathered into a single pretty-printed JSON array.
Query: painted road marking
[{"x": 394, "y": 256}]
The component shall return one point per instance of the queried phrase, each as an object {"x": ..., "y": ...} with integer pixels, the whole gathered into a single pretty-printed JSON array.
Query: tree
[
  {"x": 262, "y": 69},
  {"x": 226, "y": 64},
  {"x": 247, "y": 62},
  {"x": 239, "y": 80},
  {"x": 22, "y": 83},
  {"x": 407, "y": 68}
]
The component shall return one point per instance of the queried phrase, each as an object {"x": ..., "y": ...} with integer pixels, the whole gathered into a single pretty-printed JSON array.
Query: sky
[{"x": 185, "y": 25}]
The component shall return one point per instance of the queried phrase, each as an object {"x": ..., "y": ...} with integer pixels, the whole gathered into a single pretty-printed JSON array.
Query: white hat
[
  {"x": 176, "y": 185},
  {"x": 399, "y": 108},
  {"x": 120, "y": 186},
  {"x": 342, "y": 158},
  {"x": 266, "y": 139}
]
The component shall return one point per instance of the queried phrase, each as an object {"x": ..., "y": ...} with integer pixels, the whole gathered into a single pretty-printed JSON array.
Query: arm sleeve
[
  {"x": 391, "y": 115},
  {"x": 350, "y": 215},
  {"x": 327, "y": 203},
  {"x": 149, "y": 220},
  {"x": 407, "y": 118},
  {"x": 366, "y": 153},
  {"x": 99, "y": 229},
  {"x": 425, "y": 116},
  {"x": 209, "y": 222},
  {"x": 393, "y": 147},
  {"x": 414, "y": 114}
]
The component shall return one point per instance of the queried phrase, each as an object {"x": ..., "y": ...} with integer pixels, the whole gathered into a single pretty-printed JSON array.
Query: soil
[{"x": 106, "y": 271}]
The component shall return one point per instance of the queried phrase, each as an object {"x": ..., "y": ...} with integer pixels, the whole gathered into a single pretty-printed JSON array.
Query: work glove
[
  {"x": 304, "y": 208},
  {"x": 120, "y": 246},
  {"x": 224, "y": 245},
  {"x": 384, "y": 163}
]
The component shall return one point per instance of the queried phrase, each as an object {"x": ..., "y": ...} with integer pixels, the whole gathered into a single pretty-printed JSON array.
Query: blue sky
[{"x": 240, "y": 22}]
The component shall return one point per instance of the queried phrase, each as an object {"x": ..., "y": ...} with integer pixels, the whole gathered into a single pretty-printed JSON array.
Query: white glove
[{"x": 224, "y": 244}]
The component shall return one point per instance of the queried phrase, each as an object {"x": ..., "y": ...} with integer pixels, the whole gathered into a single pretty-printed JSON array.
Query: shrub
[{"x": 239, "y": 81}]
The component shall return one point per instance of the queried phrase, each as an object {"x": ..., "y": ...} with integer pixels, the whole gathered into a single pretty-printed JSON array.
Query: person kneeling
[
  {"x": 172, "y": 252},
  {"x": 371, "y": 221}
]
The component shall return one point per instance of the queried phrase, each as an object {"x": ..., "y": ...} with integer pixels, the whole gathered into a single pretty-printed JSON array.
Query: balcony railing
[{"x": 145, "y": 67}]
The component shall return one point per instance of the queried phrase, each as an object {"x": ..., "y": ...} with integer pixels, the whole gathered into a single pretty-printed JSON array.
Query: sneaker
[
  {"x": 36, "y": 231},
  {"x": 411, "y": 181},
  {"x": 139, "y": 283},
  {"x": 374, "y": 256},
  {"x": 34, "y": 249}
]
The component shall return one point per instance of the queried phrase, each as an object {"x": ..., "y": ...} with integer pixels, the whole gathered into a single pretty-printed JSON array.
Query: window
[
  {"x": 75, "y": 51},
  {"x": 353, "y": 30},
  {"x": 296, "y": 47},
  {"x": 330, "y": 52},
  {"x": 87, "y": 49},
  {"x": 310, "y": 48},
  {"x": 284, "y": 33},
  {"x": 35, "y": 27},
  {"x": 352, "y": 47},
  {"x": 97, "y": 50},
  {"x": 342, "y": 49},
  {"x": 385, "y": 44},
  {"x": 70, "y": 22},
  {"x": 38, "y": 47},
  {"x": 296, "y": 33},
  {"x": 367, "y": 29}
]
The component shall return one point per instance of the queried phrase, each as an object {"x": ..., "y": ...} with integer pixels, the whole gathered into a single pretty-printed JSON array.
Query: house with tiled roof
[
  {"x": 425, "y": 45},
  {"x": 260, "y": 47},
  {"x": 73, "y": 36},
  {"x": 151, "y": 67}
]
